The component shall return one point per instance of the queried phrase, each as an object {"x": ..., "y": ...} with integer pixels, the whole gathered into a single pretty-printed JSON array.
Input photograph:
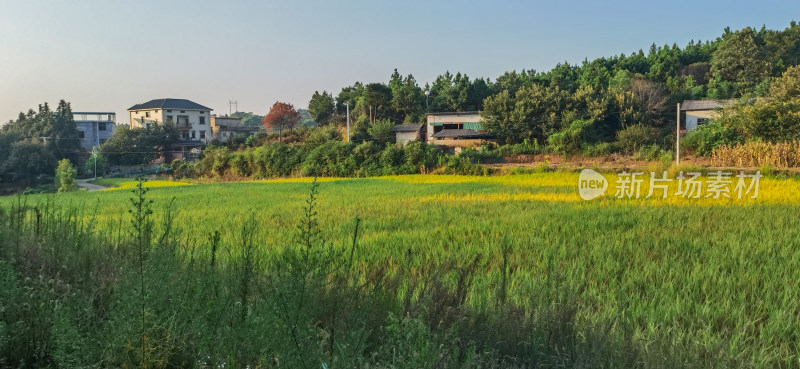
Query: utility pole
[
  {"x": 678, "y": 137},
  {"x": 347, "y": 104},
  {"x": 231, "y": 103}
]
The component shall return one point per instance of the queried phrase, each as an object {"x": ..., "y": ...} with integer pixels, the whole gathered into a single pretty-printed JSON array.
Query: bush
[
  {"x": 707, "y": 137},
  {"x": 65, "y": 176},
  {"x": 600, "y": 149},
  {"x": 101, "y": 164},
  {"x": 321, "y": 135},
  {"x": 570, "y": 140},
  {"x": 633, "y": 138}
]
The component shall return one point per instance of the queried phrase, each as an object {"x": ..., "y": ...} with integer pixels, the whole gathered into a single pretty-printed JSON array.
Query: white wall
[
  {"x": 161, "y": 115},
  {"x": 449, "y": 118},
  {"x": 405, "y": 137},
  {"x": 693, "y": 116}
]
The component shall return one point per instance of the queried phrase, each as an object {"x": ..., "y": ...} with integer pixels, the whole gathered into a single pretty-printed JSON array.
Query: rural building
[
  {"x": 192, "y": 120},
  {"x": 223, "y": 127},
  {"x": 94, "y": 128},
  {"x": 699, "y": 112},
  {"x": 457, "y": 129},
  {"x": 405, "y": 133}
]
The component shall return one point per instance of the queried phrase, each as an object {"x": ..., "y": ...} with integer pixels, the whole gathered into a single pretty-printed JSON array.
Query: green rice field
[{"x": 721, "y": 275}]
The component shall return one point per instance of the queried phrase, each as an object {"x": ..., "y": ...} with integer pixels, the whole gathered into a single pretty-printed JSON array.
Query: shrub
[
  {"x": 633, "y": 138},
  {"x": 707, "y": 137},
  {"x": 65, "y": 176},
  {"x": 570, "y": 140},
  {"x": 321, "y": 135},
  {"x": 600, "y": 149}
]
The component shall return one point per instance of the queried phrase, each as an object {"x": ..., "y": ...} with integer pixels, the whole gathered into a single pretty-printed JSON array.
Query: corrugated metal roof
[
  {"x": 692, "y": 105},
  {"x": 407, "y": 127},
  {"x": 177, "y": 104}
]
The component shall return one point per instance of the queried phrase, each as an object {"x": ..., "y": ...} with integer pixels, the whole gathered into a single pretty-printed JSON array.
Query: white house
[
  {"x": 192, "y": 120},
  {"x": 456, "y": 129},
  {"x": 405, "y": 133},
  {"x": 699, "y": 112},
  {"x": 94, "y": 128}
]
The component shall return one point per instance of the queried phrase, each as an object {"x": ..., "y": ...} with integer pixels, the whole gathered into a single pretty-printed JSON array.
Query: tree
[
  {"x": 321, "y": 107},
  {"x": 741, "y": 58},
  {"x": 787, "y": 86},
  {"x": 249, "y": 119},
  {"x": 651, "y": 100},
  {"x": 29, "y": 159},
  {"x": 65, "y": 176},
  {"x": 377, "y": 99},
  {"x": 281, "y": 116},
  {"x": 139, "y": 145},
  {"x": 96, "y": 163},
  {"x": 381, "y": 131}
]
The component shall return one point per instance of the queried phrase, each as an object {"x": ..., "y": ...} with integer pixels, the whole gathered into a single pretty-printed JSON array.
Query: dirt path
[{"x": 89, "y": 186}]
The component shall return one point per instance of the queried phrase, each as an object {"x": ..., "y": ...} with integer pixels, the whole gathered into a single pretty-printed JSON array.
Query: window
[
  {"x": 169, "y": 111},
  {"x": 155, "y": 111},
  {"x": 169, "y": 118},
  {"x": 202, "y": 135},
  {"x": 193, "y": 135},
  {"x": 701, "y": 121},
  {"x": 202, "y": 120},
  {"x": 81, "y": 134},
  {"x": 183, "y": 111},
  {"x": 147, "y": 114},
  {"x": 101, "y": 126},
  {"x": 184, "y": 135}
]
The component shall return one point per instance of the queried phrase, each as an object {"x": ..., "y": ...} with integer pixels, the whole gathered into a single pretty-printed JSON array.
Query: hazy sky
[{"x": 109, "y": 55}]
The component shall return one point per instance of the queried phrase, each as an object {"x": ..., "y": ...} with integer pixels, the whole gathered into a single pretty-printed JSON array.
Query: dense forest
[{"x": 597, "y": 100}]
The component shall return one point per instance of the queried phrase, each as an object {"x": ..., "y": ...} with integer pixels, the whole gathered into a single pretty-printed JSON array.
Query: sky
[{"x": 109, "y": 55}]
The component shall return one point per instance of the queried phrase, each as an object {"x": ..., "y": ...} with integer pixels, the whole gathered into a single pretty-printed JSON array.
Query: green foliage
[
  {"x": 741, "y": 58},
  {"x": 320, "y": 108},
  {"x": 97, "y": 163},
  {"x": 633, "y": 138},
  {"x": 381, "y": 131},
  {"x": 139, "y": 145},
  {"x": 569, "y": 141},
  {"x": 65, "y": 176},
  {"x": 707, "y": 137},
  {"x": 249, "y": 119}
]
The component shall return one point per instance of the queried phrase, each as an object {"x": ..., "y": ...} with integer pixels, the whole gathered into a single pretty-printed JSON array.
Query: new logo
[{"x": 591, "y": 184}]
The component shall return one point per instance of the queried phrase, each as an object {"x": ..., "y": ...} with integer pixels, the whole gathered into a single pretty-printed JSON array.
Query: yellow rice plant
[{"x": 757, "y": 154}]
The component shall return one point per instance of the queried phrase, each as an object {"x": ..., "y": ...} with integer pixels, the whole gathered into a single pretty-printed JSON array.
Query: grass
[
  {"x": 130, "y": 183},
  {"x": 716, "y": 279}
]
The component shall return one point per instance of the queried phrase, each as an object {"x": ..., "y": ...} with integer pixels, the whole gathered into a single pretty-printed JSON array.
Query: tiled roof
[
  {"x": 177, "y": 104},
  {"x": 466, "y": 133},
  {"x": 407, "y": 128},
  {"x": 692, "y": 105}
]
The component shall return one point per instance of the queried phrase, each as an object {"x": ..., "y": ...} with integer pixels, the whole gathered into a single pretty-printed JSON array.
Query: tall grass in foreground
[{"x": 77, "y": 295}]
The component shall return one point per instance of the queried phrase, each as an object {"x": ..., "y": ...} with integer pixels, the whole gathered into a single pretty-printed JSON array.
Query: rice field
[{"x": 720, "y": 274}]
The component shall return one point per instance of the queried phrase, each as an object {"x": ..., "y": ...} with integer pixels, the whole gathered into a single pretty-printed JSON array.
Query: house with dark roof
[
  {"x": 700, "y": 112},
  {"x": 456, "y": 129},
  {"x": 192, "y": 120}
]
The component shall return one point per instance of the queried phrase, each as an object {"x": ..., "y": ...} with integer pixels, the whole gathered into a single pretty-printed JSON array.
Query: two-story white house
[{"x": 192, "y": 120}]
